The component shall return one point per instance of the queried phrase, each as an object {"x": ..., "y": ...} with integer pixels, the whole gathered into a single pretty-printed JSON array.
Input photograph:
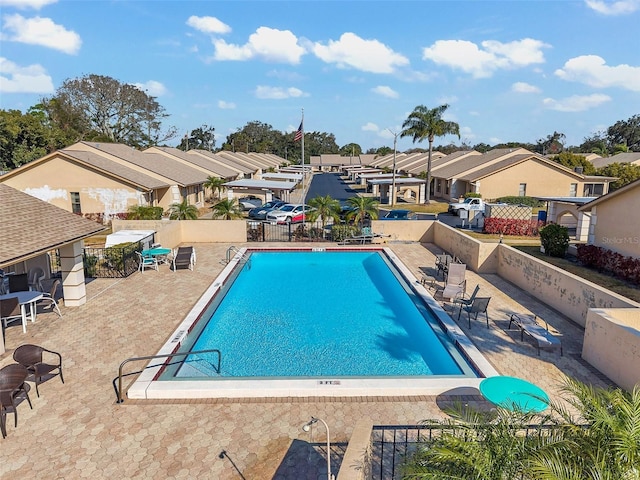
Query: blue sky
[{"x": 510, "y": 70}]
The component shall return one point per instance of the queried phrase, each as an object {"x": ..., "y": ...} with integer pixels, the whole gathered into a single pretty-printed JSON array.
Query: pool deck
[{"x": 76, "y": 429}]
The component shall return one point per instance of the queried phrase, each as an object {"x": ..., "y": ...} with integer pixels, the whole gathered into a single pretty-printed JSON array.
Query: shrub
[
  {"x": 513, "y": 200},
  {"x": 602, "y": 259},
  {"x": 142, "y": 212},
  {"x": 512, "y": 226},
  {"x": 555, "y": 240},
  {"x": 472, "y": 195},
  {"x": 340, "y": 231}
]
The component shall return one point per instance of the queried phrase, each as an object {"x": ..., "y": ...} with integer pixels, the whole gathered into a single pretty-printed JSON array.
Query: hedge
[
  {"x": 512, "y": 226},
  {"x": 627, "y": 268}
]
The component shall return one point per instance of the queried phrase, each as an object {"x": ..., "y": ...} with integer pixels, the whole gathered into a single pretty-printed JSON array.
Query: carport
[
  {"x": 265, "y": 189},
  {"x": 382, "y": 186}
]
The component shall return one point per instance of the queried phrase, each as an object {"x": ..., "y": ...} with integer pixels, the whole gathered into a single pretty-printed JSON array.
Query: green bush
[
  {"x": 141, "y": 212},
  {"x": 116, "y": 255},
  {"x": 90, "y": 264},
  {"x": 514, "y": 200},
  {"x": 340, "y": 232},
  {"x": 472, "y": 195},
  {"x": 555, "y": 240}
]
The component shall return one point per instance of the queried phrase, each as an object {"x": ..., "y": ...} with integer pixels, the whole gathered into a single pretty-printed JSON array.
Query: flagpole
[{"x": 302, "y": 161}]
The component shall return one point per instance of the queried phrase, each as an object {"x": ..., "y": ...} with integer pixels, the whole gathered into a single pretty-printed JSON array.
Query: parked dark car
[
  {"x": 260, "y": 213},
  {"x": 400, "y": 215}
]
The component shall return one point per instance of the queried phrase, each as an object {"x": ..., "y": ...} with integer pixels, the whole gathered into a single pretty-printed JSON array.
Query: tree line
[{"x": 101, "y": 108}]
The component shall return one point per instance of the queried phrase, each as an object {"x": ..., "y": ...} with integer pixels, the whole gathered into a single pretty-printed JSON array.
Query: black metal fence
[
  {"x": 289, "y": 232},
  {"x": 392, "y": 445},
  {"x": 118, "y": 261}
]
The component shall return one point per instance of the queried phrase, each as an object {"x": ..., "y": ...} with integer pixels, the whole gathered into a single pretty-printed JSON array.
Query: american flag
[{"x": 298, "y": 133}]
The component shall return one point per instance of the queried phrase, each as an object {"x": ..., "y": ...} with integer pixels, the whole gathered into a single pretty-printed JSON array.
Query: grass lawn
[{"x": 570, "y": 265}]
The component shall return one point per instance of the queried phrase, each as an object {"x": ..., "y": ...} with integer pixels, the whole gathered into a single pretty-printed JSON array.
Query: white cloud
[
  {"x": 352, "y": 51},
  {"x": 17, "y": 79},
  {"x": 153, "y": 88},
  {"x": 576, "y": 103},
  {"x": 370, "y": 127},
  {"x": 483, "y": 61},
  {"x": 268, "y": 44},
  {"x": 593, "y": 71},
  {"x": 466, "y": 134},
  {"x": 40, "y": 31},
  {"x": 621, "y": 7},
  {"x": 385, "y": 91},
  {"x": 210, "y": 25},
  {"x": 226, "y": 105},
  {"x": 278, "y": 93},
  {"x": 523, "y": 87},
  {"x": 25, "y": 4}
]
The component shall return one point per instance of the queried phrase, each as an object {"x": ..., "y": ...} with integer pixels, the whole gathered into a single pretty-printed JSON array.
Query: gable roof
[
  {"x": 197, "y": 160},
  {"x": 625, "y": 157},
  {"x": 114, "y": 168},
  {"x": 31, "y": 227},
  {"x": 159, "y": 164},
  {"x": 610, "y": 195}
]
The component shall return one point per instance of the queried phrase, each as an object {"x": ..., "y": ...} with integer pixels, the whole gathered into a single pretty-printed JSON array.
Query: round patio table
[
  {"x": 514, "y": 394},
  {"x": 153, "y": 252}
]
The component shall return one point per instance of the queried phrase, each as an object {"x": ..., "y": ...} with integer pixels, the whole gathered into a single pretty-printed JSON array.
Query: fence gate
[{"x": 288, "y": 232}]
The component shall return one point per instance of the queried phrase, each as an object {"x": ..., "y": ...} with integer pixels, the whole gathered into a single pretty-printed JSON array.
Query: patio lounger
[
  {"x": 184, "y": 257},
  {"x": 528, "y": 325}
]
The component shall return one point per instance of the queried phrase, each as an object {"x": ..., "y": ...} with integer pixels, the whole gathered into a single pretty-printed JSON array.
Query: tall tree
[
  {"x": 202, "y": 138},
  {"x": 572, "y": 160},
  {"x": 428, "y": 123},
  {"x": 551, "y": 145},
  {"x": 624, "y": 172},
  {"x": 113, "y": 111},
  {"x": 351, "y": 149},
  {"x": 626, "y": 132}
]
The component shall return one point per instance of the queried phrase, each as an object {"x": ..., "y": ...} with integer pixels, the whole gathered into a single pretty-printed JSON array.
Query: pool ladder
[{"x": 233, "y": 251}]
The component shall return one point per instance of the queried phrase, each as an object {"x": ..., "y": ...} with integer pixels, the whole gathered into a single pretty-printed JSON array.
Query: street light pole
[
  {"x": 306, "y": 427},
  {"x": 393, "y": 178}
]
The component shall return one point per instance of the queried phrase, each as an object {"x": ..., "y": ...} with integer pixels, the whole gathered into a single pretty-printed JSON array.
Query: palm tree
[
  {"x": 362, "y": 207},
  {"x": 324, "y": 208},
  {"x": 216, "y": 184},
  {"x": 428, "y": 123},
  {"x": 227, "y": 209},
  {"x": 183, "y": 211},
  {"x": 600, "y": 442}
]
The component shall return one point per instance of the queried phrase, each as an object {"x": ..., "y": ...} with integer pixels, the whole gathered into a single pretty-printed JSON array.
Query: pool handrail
[
  {"x": 118, "y": 388},
  {"x": 236, "y": 251}
]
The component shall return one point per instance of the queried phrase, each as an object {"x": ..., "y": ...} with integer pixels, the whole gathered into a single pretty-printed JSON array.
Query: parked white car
[{"x": 285, "y": 214}]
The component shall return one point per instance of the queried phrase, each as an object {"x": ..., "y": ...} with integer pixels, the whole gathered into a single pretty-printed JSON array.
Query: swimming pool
[{"x": 300, "y": 323}]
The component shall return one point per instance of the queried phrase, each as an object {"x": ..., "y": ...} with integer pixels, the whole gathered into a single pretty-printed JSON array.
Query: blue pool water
[{"x": 322, "y": 314}]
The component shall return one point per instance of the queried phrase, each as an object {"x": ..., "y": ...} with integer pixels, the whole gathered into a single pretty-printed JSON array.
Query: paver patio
[{"x": 76, "y": 429}]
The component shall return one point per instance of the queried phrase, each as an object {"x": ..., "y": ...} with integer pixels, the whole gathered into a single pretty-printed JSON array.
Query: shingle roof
[
  {"x": 181, "y": 174},
  {"x": 31, "y": 227},
  {"x": 200, "y": 161},
  {"x": 460, "y": 167},
  {"x": 625, "y": 157},
  {"x": 226, "y": 161},
  {"x": 115, "y": 168}
]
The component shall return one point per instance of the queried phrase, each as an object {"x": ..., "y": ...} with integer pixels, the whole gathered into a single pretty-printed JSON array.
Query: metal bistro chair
[
  {"x": 479, "y": 305},
  {"x": 48, "y": 300},
  {"x": 461, "y": 301}
]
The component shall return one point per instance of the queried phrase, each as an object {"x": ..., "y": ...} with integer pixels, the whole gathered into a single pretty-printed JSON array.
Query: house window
[
  {"x": 75, "y": 202},
  {"x": 593, "y": 189},
  {"x": 573, "y": 190},
  {"x": 522, "y": 191}
]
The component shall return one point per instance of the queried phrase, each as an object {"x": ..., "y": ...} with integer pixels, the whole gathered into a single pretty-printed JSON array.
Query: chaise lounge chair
[
  {"x": 184, "y": 257},
  {"x": 542, "y": 338}
]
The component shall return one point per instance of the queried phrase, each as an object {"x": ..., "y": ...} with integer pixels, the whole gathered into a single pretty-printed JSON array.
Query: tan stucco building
[{"x": 614, "y": 220}]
